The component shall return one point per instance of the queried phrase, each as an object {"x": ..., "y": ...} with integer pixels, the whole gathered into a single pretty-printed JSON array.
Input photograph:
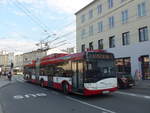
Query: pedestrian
[
  {"x": 137, "y": 77},
  {"x": 5, "y": 73},
  {"x": 9, "y": 76}
]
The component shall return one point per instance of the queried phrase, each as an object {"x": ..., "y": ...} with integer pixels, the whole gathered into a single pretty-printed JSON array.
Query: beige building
[
  {"x": 3, "y": 60},
  {"x": 34, "y": 55},
  {"x": 18, "y": 62},
  {"x": 118, "y": 26},
  {"x": 6, "y": 59}
]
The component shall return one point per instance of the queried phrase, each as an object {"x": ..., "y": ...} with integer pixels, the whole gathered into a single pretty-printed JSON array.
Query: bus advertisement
[{"x": 87, "y": 73}]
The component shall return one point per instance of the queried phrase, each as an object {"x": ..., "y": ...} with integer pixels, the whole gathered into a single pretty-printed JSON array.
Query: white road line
[
  {"x": 147, "y": 97},
  {"x": 91, "y": 105},
  {"x": 20, "y": 80},
  {"x": 134, "y": 95}
]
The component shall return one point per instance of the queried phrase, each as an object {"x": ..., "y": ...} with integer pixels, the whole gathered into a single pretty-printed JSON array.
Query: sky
[{"x": 24, "y": 23}]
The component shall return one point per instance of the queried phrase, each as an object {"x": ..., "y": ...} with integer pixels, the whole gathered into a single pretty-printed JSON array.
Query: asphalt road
[{"x": 22, "y": 97}]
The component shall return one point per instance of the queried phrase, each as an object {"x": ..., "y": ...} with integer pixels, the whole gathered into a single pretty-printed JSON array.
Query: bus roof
[
  {"x": 61, "y": 57},
  {"x": 56, "y": 58}
]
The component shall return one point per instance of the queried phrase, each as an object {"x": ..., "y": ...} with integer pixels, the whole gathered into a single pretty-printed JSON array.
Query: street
[{"x": 21, "y": 97}]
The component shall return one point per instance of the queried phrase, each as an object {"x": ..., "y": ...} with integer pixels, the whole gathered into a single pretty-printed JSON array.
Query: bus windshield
[{"x": 99, "y": 69}]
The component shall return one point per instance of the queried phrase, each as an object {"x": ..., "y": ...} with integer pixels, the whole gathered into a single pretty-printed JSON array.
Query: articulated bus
[{"x": 87, "y": 73}]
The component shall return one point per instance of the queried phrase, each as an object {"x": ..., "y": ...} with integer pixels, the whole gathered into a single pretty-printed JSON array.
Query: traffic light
[{"x": 12, "y": 65}]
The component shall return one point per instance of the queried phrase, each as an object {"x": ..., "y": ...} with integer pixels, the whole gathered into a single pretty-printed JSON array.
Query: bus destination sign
[{"x": 100, "y": 56}]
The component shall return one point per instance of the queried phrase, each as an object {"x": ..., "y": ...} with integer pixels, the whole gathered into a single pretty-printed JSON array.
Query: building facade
[
  {"x": 3, "y": 61},
  {"x": 118, "y": 26},
  {"x": 18, "y": 63},
  {"x": 34, "y": 55}
]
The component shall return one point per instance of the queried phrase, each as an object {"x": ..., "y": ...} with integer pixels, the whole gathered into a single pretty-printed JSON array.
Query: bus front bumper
[{"x": 88, "y": 92}]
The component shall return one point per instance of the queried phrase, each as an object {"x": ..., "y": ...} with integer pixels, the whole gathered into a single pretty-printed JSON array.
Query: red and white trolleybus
[{"x": 87, "y": 73}]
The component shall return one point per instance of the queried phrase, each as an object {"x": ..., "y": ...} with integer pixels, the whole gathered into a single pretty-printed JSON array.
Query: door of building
[{"x": 145, "y": 65}]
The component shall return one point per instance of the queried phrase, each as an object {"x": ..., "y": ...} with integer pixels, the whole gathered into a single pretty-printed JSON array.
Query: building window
[
  {"x": 112, "y": 42},
  {"x": 83, "y": 33},
  {"x": 124, "y": 16},
  {"x": 99, "y": 9},
  {"x": 111, "y": 22},
  {"x": 90, "y": 14},
  {"x": 91, "y": 30},
  {"x": 100, "y": 44},
  {"x": 82, "y": 18},
  {"x": 100, "y": 27},
  {"x": 83, "y": 47},
  {"x": 110, "y": 4},
  {"x": 143, "y": 34},
  {"x": 91, "y": 45},
  {"x": 142, "y": 9},
  {"x": 125, "y": 38}
]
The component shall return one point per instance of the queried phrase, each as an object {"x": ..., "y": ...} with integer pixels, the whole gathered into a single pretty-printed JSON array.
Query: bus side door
[{"x": 77, "y": 78}]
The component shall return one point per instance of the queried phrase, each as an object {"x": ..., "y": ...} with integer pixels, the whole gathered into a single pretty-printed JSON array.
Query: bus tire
[
  {"x": 42, "y": 83},
  {"x": 65, "y": 88}
]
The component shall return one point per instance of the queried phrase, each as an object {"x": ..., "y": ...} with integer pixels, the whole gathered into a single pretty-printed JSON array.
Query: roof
[{"x": 85, "y": 7}]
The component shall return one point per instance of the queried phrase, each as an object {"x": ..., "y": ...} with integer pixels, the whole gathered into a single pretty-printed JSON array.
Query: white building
[{"x": 118, "y": 26}]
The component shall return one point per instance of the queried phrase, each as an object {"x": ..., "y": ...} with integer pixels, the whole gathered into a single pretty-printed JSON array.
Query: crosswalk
[{"x": 18, "y": 78}]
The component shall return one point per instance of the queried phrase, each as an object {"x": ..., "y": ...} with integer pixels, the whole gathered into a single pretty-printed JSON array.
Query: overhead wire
[
  {"x": 29, "y": 15},
  {"x": 34, "y": 16},
  {"x": 67, "y": 34}
]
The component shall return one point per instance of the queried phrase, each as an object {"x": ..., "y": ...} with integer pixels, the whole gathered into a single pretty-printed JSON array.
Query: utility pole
[{"x": 44, "y": 43}]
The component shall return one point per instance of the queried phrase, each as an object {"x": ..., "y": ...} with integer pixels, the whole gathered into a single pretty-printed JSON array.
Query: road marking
[
  {"x": 17, "y": 97},
  {"x": 20, "y": 79},
  {"x": 53, "y": 92},
  {"x": 91, "y": 105},
  {"x": 26, "y": 96},
  {"x": 147, "y": 97},
  {"x": 134, "y": 95}
]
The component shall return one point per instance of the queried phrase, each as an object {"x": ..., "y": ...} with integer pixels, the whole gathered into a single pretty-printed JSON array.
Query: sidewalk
[
  {"x": 3, "y": 81},
  {"x": 142, "y": 84}
]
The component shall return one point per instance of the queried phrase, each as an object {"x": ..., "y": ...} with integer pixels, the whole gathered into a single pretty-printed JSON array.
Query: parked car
[{"x": 125, "y": 80}]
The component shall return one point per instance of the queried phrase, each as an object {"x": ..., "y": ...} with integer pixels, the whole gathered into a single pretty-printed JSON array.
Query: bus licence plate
[{"x": 106, "y": 92}]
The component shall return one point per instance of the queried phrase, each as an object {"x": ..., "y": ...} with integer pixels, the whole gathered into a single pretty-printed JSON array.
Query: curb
[{"x": 4, "y": 84}]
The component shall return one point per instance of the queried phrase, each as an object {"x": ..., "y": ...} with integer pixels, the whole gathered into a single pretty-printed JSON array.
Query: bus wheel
[
  {"x": 65, "y": 88},
  {"x": 42, "y": 83}
]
